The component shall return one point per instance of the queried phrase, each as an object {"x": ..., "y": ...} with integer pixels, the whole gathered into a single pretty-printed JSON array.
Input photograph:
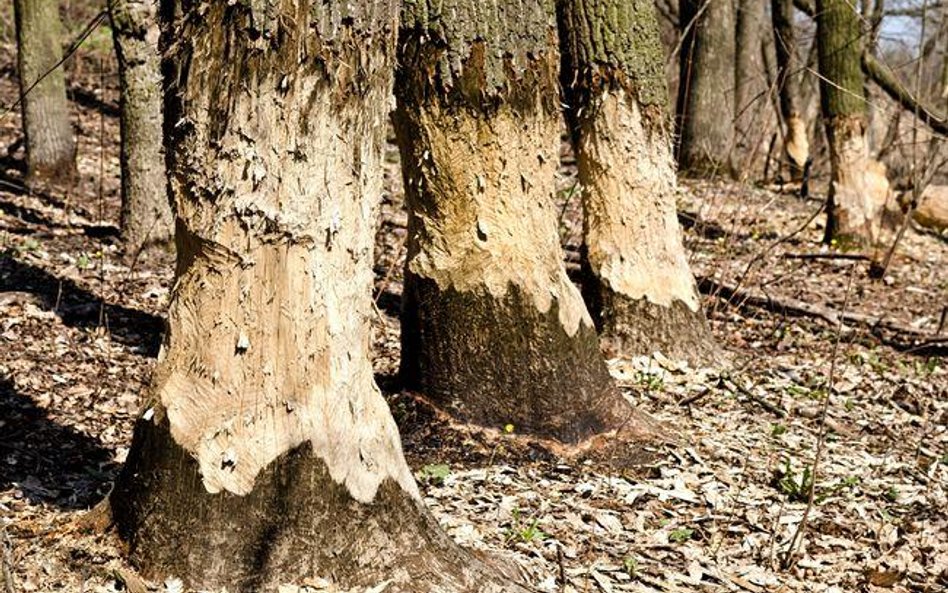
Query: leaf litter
[{"x": 79, "y": 331}]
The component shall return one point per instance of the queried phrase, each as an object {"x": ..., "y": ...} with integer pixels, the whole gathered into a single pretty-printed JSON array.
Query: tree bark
[
  {"x": 796, "y": 145},
  {"x": 266, "y": 454},
  {"x": 146, "y": 210},
  {"x": 858, "y": 188},
  {"x": 706, "y": 88},
  {"x": 492, "y": 328},
  {"x": 636, "y": 278},
  {"x": 749, "y": 87},
  {"x": 50, "y": 145}
]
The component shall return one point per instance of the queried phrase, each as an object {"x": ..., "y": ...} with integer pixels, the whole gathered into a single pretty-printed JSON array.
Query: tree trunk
[
  {"x": 50, "y": 146},
  {"x": 858, "y": 188},
  {"x": 749, "y": 88},
  {"x": 492, "y": 328},
  {"x": 146, "y": 211},
  {"x": 636, "y": 277},
  {"x": 266, "y": 454},
  {"x": 796, "y": 146},
  {"x": 706, "y": 88}
]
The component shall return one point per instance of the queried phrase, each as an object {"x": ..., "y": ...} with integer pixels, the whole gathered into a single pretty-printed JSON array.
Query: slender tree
[
  {"x": 636, "y": 277},
  {"x": 50, "y": 145},
  {"x": 749, "y": 89},
  {"x": 858, "y": 191},
  {"x": 266, "y": 454},
  {"x": 796, "y": 146},
  {"x": 146, "y": 210},
  {"x": 492, "y": 328},
  {"x": 706, "y": 87}
]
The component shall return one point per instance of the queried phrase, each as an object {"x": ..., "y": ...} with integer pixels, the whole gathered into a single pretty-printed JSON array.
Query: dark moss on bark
[
  {"x": 479, "y": 55},
  {"x": 493, "y": 361},
  {"x": 609, "y": 44},
  {"x": 839, "y": 46},
  {"x": 297, "y": 523}
]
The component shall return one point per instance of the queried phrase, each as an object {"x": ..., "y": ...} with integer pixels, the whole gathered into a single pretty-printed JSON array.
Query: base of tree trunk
[
  {"x": 629, "y": 325},
  {"x": 495, "y": 361},
  {"x": 296, "y": 524},
  {"x": 52, "y": 177},
  {"x": 859, "y": 190}
]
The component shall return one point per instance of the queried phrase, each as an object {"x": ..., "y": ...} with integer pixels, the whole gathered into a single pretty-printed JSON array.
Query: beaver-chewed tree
[
  {"x": 266, "y": 454},
  {"x": 636, "y": 278},
  {"x": 706, "y": 87},
  {"x": 858, "y": 188},
  {"x": 146, "y": 211},
  {"x": 492, "y": 328},
  {"x": 50, "y": 145}
]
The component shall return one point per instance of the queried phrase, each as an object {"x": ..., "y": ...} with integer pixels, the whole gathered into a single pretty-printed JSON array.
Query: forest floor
[{"x": 80, "y": 329}]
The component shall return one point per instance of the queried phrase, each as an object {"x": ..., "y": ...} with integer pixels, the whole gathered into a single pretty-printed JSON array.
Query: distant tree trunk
[
  {"x": 858, "y": 191},
  {"x": 748, "y": 76},
  {"x": 492, "y": 328},
  {"x": 50, "y": 145},
  {"x": 636, "y": 277},
  {"x": 706, "y": 87},
  {"x": 796, "y": 146},
  {"x": 266, "y": 453},
  {"x": 146, "y": 211}
]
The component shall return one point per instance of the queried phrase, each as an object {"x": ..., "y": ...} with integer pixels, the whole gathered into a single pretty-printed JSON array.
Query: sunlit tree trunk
[
  {"x": 266, "y": 454},
  {"x": 796, "y": 146},
  {"x": 706, "y": 87},
  {"x": 858, "y": 189},
  {"x": 50, "y": 145},
  {"x": 146, "y": 211},
  {"x": 492, "y": 328},
  {"x": 636, "y": 277}
]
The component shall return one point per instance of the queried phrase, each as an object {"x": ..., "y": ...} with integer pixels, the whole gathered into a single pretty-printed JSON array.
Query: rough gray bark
[
  {"x": 492, "y": 328},
  {"x": 146, "y": 210},
  {"x": 636, "y": 278},
  {"x": 705, "y": 109},
  {"x": 50, "y": 145},
  {"x": 266, "y": 454}
]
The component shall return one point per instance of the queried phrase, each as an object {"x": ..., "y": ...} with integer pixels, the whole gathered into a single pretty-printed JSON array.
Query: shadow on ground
[
  {"x": 78, "y": 307},
  {"x": 47, "y": 462}
]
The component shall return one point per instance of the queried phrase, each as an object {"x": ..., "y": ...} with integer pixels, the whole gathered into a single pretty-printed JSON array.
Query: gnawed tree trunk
[
  {"x": 266, "y": 454},
  {"x": 50, "y": 145},
  {"x": 858, "y": 188},
  {"x": 146, "y": 211},
  {"x": 706, "y": 88},
  {"x": 796, "y": 145},
  {"x": 492, "y": 328},
  {"x": 636, "y": 278}
]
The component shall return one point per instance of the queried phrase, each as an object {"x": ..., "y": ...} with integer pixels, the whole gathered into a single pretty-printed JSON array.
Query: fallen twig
[
  {"x": 772, "y": 408},
  {"x": 790, "y": 306}
]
